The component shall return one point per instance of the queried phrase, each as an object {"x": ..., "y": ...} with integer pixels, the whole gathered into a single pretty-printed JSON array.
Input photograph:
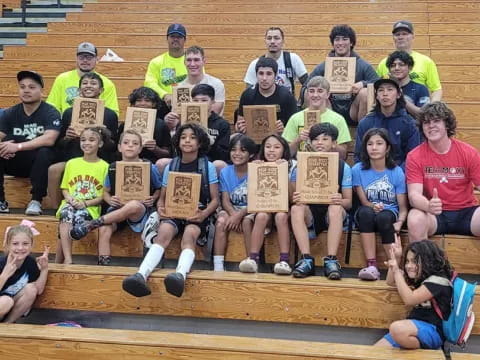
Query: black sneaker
[
  {"x": 136, "y": 285},
  {"x": 175, "y": 284},
  {"x": 304, "y": 267},
  {"x": 332, "y": 269},
  {"x": 104, "y": 260},
  {"x": 4, "y": 207}
]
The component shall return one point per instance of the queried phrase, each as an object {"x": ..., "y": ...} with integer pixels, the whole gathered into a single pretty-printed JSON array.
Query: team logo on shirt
[
  {"x": 85, "y": 187},
  {"x": 381, "y": 190},
  {"x": 444, "y": 173},
  {"x": 71, "y": 93},
  {"x": 30, "y": 131}
]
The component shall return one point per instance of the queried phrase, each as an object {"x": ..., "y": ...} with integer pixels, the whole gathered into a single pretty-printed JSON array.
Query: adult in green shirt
[
  {"x": 65, "y": 86},
  {"x": 296, "y": 133},
  {"x": 168, "y": 68}
]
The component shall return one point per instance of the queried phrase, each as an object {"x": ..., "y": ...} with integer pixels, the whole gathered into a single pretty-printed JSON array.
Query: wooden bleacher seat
[
  {"x": 20, "y": 342},
  {"x": 231, "y": 295},
  {"x": 463, "y": 356}
]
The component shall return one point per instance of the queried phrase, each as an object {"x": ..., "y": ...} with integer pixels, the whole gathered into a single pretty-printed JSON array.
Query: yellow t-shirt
[
  {"x": 165, "y": 71},
  {"x": 65, "y": 89},
  {"x": 84, "y": 181}
]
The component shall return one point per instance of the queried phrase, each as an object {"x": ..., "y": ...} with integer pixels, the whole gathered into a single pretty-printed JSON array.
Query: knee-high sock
[
  {"x": 152, "y": 259},
  {"x": 185, "y": 262}
]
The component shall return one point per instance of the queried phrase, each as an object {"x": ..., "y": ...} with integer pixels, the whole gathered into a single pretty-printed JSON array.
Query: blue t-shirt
[
  {"x": 155, "y": 181},
  {"x": 212, "y": 175},
  {"x": 346, "y": 179},
  {"x": 416, "y": 93},
  {"x": 380, "y": 186},
  {"x": 236, "y": 187}
]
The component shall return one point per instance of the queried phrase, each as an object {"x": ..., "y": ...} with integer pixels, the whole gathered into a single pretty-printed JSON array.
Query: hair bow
[{"x": 24, "y": 222}]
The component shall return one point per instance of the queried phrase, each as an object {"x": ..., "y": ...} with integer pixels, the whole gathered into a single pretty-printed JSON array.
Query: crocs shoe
[
  {"x": 282, "y": 268},
  {"x": 248, "y": 266},
  {"x": 332, "y": 269},
  {"x": 175, "y": 284},
  {"x": 304, "y": 268},
  {"x": 136, "y": 285},
  {"x": 369, "y": 273}
]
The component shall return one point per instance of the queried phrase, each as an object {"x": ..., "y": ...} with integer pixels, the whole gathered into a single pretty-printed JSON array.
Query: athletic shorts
[
  {"x": 180, "y": 224},
  {"x": 320, "y": 218},
  {"x": 456, "y": 221},
  {"x": 135, "y": 225},
  {"x": 427, "y": 335}
]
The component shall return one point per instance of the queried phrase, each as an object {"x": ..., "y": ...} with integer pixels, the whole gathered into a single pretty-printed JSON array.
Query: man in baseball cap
[
  {"x": 168, "y": 68},
  {"x": 390, "y": 113},
  {"x": 24, "y": 74},
  {"x": 65, "y": 86},
  {"x": 424, "y": 70}
]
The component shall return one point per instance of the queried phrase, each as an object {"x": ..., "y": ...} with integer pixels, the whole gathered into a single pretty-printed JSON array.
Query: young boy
[
  {"x": 192, "y": 143},
  {"x": 309, "y": 220},
  {"x": 134, "y": 213}
]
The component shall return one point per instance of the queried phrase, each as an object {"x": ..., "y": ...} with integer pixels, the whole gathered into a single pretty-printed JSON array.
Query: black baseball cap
[
  {"x": 177, "y": 29},
  {"x": 24, "y": 74},
  {"x": 403, "y": 24},
  {"x": 379, "y": 82}
]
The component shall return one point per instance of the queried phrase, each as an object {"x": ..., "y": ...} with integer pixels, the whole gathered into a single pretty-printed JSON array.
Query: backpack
[{"x": 458, "y": 326}]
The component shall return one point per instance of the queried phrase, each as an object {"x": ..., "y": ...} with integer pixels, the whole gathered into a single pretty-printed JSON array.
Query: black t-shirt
[
  {"x": 70, "y": 148},
  {"x": 442, "y": 292},
  {"x": 20, "y": 127},
  {"x": 282, "y": 97},
  {"x": 219, "y": 130},
  {"x": 27, "y": 273}
]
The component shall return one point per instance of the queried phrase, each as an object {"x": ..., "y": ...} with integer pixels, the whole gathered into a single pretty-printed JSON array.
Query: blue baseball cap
[{"x": 177, "y": 29}]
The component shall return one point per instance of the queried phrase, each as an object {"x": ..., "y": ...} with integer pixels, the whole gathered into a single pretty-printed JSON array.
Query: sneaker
[
  {"x": 150, "y": 229},
  {"x": 4, "y": 207},
  {"x": 304, "y": 267},
  {"x": 248, "y": 266},
  {"x": 104, "y": 260},
  {"x": 175, "y": 284},
  {"x": 282, "y": 268},
  {"x": 369, "y": 273},
  {"x": 34, "y": 208},
  {"x": 332, "y": 269},
  {"x": 79, "y": 231},
  {"x": 136, "y": 285}
]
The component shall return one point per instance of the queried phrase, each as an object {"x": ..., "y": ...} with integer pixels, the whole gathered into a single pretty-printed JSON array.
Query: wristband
[{"x": 19, "y": 147}]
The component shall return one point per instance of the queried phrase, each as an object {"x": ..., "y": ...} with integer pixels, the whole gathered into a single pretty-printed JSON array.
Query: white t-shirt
[
  {"x": 282, "y": 79},
  {"x": 216, "y": 83}
]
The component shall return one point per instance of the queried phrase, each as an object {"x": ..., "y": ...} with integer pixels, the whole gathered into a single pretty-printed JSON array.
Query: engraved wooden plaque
[
  {"x": 87, "y": 113},
  {"x": 132, "y": 180},
  {"x": 180, "y": 95},
  {"x": 267, "y": 187},
  {"x": 142, "y": 121},
  {"x": 260, "y": 120},
  {"x": 370, "y": 97},
  {"x": 311, "y": 117},
  {"x": 183, "y": 194},
  {"x": 317, "y": 176},
  {"x": 194, "y": 112},
  {"x": 340, "y": 73}
]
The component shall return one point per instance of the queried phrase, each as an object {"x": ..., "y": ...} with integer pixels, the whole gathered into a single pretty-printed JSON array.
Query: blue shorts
[
  {"x": 457, "y": 222},
  {"x": 427, "y": 335}
]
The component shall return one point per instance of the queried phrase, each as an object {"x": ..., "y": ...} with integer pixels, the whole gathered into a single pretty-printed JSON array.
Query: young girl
[
  {"x": 22, "y": 277},
  {"x": 233, "y": 189},
  {"x": 274, "y": 148},
  {"x": 192, "y": 142},
  {"x": 424, "y": 275},
  {"x": 380, "y": 186},
  {"x": 82, "y": 189}
]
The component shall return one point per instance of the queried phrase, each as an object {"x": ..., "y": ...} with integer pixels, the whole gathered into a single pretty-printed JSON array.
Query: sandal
[{"x": 369, "y": 273}]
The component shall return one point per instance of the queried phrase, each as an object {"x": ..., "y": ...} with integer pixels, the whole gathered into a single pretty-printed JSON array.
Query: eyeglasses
[{"x": 85, "y": 57}]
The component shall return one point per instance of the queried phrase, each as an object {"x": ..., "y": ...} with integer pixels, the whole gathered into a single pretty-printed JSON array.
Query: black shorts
[
  {"x": 456, "y": 222},
  {"x": 180, "y": 224},
  {"x": 320, "y": 217}
]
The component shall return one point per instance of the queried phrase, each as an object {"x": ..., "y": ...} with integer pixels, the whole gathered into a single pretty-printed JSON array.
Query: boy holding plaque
[
  {"x": 133, "y": 213},
  {"x": 309, "y": 220},
  {"x": 192, "y": 143}
]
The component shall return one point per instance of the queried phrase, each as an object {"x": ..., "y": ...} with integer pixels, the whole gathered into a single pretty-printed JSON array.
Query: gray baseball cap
[
  {"x": 403, "y": 24},
  {"x": 87, "y": 48}
]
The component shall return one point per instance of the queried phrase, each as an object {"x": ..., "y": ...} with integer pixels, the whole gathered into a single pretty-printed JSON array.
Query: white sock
[
  {"x": 218, "y": 262},
  {"x": 152, "y": 259},
  {"x": 185, "y": 261}
]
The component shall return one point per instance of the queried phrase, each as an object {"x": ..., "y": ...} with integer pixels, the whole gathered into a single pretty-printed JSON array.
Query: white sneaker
[
  {"x": 150, "y": 231},
  {"x": 248, "y": 266},
  {"x": 34, "y": 208},
  {"x": 282, "y": 268}
]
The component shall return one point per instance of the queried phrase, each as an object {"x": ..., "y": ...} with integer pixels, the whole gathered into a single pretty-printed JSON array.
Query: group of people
[{"x": 405, "y": 156}]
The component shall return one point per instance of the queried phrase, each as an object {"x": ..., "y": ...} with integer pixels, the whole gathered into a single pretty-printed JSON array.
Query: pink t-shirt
[{"x": 453, "y": 173}]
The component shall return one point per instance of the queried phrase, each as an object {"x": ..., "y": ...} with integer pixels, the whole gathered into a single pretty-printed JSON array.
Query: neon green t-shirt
[
  {"x": 65, "y": 89},
  {"x": 165, "y": 71},
  {"x": 296, "y": 123},
  {"x": 424, "y": 71},
  {"x": 84, "y": 181}
]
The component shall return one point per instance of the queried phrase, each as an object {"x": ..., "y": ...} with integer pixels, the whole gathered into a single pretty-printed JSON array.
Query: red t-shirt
[{"x": 453, "y": 173}]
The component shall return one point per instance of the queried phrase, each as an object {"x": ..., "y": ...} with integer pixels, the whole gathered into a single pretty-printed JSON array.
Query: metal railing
[{"x": 24, "y": 9}]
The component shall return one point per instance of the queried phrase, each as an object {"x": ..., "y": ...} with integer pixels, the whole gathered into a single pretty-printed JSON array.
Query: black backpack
[{"x": 287, "y": 59}]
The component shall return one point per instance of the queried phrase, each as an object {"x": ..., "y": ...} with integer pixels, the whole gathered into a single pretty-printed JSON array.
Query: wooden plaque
[
  {"x": 183, "y": 194},
  {"x": 87, "y": 113},
  {"x": 180, "y": 95},
  {"x": 194, "y": 112},
  {"x": 132, "y": 180},
  {"x": 317, "y": 176},
  {"x": 311, "y": 117},
  {"x": 261, "y": 121},
  {"x": 267, "y": 187},
  {"x": 142, "y": 121},
  {"x": 370, "y": 97},
  {"x": 340, "y": 73}
]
